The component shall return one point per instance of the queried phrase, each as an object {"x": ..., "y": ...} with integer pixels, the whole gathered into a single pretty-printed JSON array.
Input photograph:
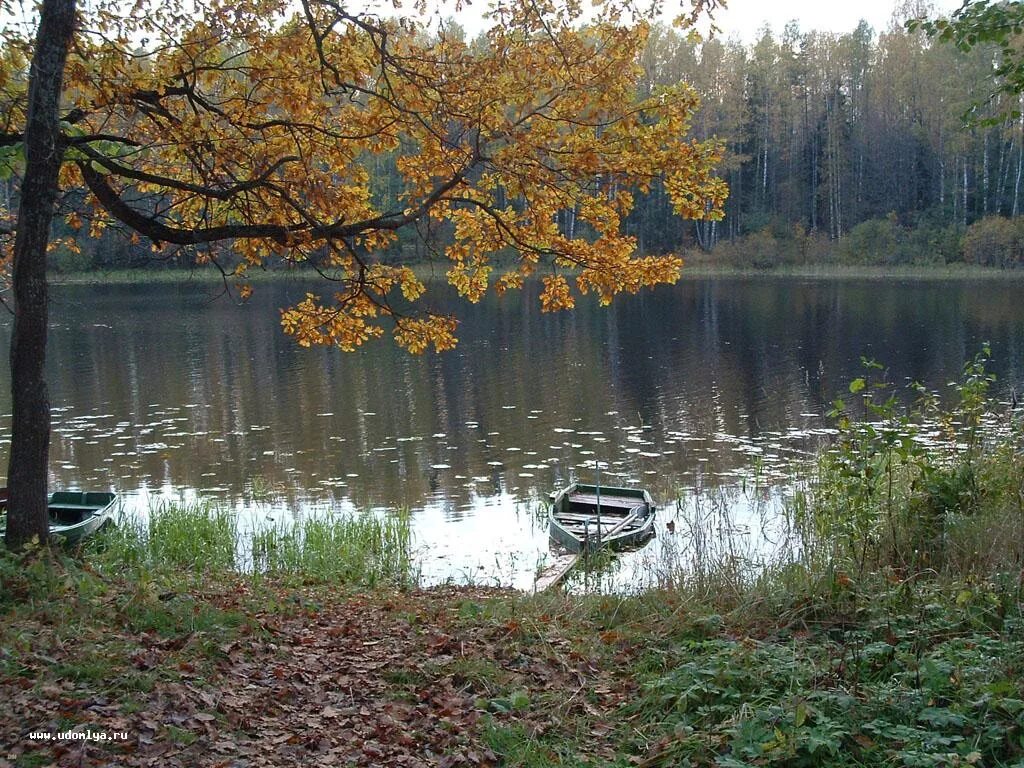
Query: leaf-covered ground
[
  {"x": 402, "y": 680},
  {"x": 231, "y": 675}
]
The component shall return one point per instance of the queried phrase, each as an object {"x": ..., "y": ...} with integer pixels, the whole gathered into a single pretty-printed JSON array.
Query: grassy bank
[
  {"x": 209, "y": 275},
  {"x": 882, "y": 671},
  {"x": 698, "y": 265},
  {"x": 889, "y": 631}
]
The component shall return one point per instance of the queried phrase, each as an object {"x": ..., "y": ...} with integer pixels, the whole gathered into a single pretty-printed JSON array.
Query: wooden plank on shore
[{"x": 553, "y": 573}]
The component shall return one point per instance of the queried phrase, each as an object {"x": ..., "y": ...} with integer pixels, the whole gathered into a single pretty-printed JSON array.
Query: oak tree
[{"x": 238, "y": 127}]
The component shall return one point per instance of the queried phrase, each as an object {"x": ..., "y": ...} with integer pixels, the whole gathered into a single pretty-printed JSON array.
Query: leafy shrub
[
  {"x": 875, "y": 241},
  {"x": 66, "y": 259},
  {"x": 763, "y": 249},
  {"x": 929, "y": 243},
  {"x": 994, "y": 241},
  {"x": 929, "y": 486}
]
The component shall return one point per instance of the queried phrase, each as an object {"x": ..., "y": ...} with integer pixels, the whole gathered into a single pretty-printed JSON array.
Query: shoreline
[
  {"x": 891, "y": 636},
  {"x": 692, "y": 270}
]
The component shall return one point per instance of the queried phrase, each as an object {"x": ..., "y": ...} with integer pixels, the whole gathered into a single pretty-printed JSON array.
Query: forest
[
  {"x": 869, "y": 147},
  {"x": 886, "y": 145},
  {"x": 874, "y": 147}
]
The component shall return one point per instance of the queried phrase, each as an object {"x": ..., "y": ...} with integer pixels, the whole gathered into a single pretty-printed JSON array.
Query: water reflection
[{"x": 159, "y": 387}]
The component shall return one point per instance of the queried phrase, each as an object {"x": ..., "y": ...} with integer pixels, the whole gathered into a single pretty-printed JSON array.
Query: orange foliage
[{"x": 245, "y": 124}]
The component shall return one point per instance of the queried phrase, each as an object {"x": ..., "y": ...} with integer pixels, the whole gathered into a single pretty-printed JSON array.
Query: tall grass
[
  {"x": 927, "y": 488},
  {"x": 200, "y": 537},
  {"x": 933, "y": 490},
  {"x": 196, "y": 536},
  {"x": 364, "y": 549}
]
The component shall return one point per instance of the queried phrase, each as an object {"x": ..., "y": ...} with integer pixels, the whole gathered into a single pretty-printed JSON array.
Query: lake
[{"x": 166, "y": 390}]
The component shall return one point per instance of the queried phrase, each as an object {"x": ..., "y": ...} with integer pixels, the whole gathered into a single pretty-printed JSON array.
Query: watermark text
[{"x": 87, "y": 735}]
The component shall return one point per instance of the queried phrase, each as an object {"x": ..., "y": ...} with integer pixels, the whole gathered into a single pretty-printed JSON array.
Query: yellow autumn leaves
[{"x": 252, "y": 124}]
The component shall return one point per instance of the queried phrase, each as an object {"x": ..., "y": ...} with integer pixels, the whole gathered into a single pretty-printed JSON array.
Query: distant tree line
[{"x": 863, "y": 148}]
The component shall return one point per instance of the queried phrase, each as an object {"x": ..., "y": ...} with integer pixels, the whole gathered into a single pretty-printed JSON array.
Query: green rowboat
[
  {"x": 589, "y": 517},
  {"x": 75, "y": 514}
]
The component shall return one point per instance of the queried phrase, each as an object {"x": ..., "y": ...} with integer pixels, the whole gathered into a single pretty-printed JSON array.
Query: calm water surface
[{"x": 165, "y": 390}]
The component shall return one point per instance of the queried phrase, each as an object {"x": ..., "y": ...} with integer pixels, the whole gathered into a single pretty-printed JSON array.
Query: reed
[
  {"x": 934, "y": 490},
  {"x": 365, "y": 549},
  {"x": 191, "y": 536},
  {"x": 199, "y": 537}
]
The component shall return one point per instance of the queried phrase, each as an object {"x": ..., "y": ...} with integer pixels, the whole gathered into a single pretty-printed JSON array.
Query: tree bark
[
  {"x": 964, "y": 212},
  {"x": 1020, "y": 161},
  {"x": 30, "y": 419}
]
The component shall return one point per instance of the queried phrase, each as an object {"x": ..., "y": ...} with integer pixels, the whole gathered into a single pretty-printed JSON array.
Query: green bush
[
  {"x": 763, "y": 249},
  {"x": 74, "y": 259},
  {"x": 930, "y": 486},
  {"x": 994, "y": 241},
  {"x": 875, "y": 241},
  {"x": 931, "y": 243}
]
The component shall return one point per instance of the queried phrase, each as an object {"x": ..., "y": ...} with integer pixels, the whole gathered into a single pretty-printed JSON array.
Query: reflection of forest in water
[{"x": 158, "y": 386}]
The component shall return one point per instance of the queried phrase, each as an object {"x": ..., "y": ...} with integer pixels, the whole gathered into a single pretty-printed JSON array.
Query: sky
[
  {"x": 744, "y": 19},
  {"x": 741, "y": 19}
]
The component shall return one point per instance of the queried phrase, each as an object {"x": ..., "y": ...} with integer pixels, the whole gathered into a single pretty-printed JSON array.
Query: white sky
[
  {"x": 745, "y": 18},
  {"x": 742, "y": 19}
]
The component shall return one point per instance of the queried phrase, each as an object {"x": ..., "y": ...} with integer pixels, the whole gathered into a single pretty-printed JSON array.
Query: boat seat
[
  {"x": 69, "y": 514},
  {"x": 590, "y": 500}
]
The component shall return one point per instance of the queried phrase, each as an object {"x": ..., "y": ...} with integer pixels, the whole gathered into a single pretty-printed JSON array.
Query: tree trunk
[
  {"x": 1016, "y": 183},
  {"x": 942, "y": 170},
  {"x": 984, "y": 175},
  {"x": 30, "y": 419},
  {"x": 965, "y": 193},
  {"x": 1020, "y": 161}
]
